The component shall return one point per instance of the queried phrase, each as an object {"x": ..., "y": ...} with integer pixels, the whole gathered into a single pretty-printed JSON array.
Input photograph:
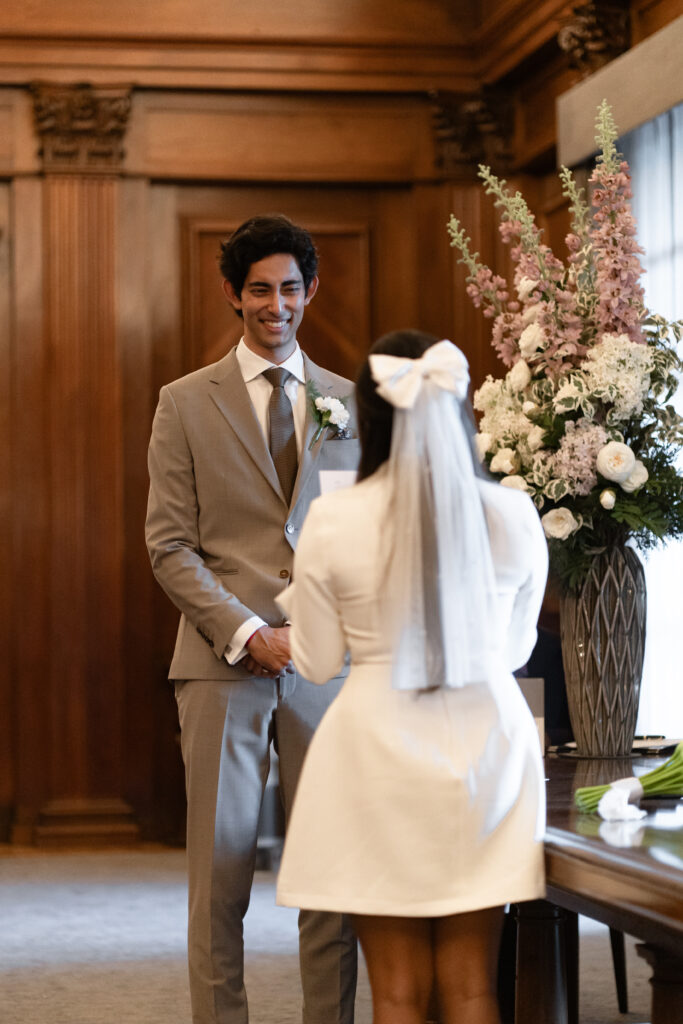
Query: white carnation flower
[
  {"x": 482, "y": 443},
  {"x": 505, "y": 461},
  {"x": 339, "y": 414},
  {"x": 559, "y": 523},
  {"x": 517, "y": 483},
  {"x": 519, "y": 376},
  {"x": 615, "y": 461},
  {"x": 608, "y": 498},
  {"x": 531, "y": 340},
  {"x": 636, "y": 478}
]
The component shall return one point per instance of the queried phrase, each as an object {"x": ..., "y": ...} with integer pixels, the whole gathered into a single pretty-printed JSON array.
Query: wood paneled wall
[{"x": 113, "y": 197}]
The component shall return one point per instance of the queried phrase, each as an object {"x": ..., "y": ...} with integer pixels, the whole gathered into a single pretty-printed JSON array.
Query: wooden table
[{"x": 636, "y": 888}]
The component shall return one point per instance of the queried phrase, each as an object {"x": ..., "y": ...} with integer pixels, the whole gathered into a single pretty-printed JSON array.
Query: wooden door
[{"x": 384, "y": 264}]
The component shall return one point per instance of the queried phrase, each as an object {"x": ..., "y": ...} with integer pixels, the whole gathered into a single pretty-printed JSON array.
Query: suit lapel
[
  {"x": 229, "y": 392},
  {"x": 308, "y": 458}
]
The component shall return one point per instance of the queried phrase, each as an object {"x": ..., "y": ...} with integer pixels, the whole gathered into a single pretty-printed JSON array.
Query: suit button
[
  {"x": 289, "y": 528},
  {"x": 284, "y": 574}
]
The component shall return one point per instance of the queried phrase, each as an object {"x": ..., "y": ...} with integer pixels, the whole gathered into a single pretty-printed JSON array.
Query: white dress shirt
[{"x": 260, "y": 390}]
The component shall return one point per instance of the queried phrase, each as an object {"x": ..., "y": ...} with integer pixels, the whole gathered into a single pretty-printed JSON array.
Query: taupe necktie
[{"x": 282, "y": 437}]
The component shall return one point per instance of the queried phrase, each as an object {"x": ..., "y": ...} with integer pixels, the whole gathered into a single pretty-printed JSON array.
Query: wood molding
[
  {"x": 248, "y": 65},
  {"x": 95, "y": 822},
  {"x": 473, "y": 130},
  {"x": 319, "y": 138},
  {"x": 81, "y": 128},
  {"x": 595, "y": 34}
]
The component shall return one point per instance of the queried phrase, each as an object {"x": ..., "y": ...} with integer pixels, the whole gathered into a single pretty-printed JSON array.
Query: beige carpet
[{"x": 99, "y": 938}]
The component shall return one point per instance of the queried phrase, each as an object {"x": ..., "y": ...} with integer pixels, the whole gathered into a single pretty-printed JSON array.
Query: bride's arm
[
  {"x": 528, "y": 600},
  {"x": 318, "y": 644}
]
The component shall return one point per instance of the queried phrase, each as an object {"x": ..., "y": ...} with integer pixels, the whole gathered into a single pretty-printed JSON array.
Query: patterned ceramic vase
[{"x": 602, "y": 628}]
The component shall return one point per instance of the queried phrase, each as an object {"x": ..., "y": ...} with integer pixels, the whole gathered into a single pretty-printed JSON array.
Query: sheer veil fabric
[{"x": 437, "y": 564}]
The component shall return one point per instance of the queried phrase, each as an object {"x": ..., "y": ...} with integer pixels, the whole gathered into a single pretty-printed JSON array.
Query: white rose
[
  {"x": 517, "y": 483},
  {"x": 531, "y": 339},
  {"x": 530, "y": 408},
  {"x": 525, "y": 287},
  {"x": 519, "y": 376},
  {"x": 534, "y": 438},
  {"x": 482, "y": 443},
  {"x": 532, "y": 313},
  {"x": 615, "y": 461},
  {"x": 636, "y": 478},
  {"x": 608, "y": 498},
  {"x": 505, "y": 461},
  {"x": 559, "y": 523}
]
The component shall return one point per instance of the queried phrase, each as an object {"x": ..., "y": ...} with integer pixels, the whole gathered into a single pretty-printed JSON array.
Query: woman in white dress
[{"x": 420, "y": 807}]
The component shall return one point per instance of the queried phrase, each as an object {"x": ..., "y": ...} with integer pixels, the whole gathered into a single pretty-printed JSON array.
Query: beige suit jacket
[{"x": 219, "y": 532}]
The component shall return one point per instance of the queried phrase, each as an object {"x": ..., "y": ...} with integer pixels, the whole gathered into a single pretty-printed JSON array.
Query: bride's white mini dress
[{"x": 412, "y": 804}]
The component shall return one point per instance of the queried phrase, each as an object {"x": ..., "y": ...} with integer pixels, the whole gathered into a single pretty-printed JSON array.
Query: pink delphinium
[{"x": 620, "y": 302}]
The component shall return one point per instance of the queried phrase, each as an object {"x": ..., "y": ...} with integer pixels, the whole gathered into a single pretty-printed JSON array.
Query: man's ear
[
  {"x": 231, "y": 295},
  {"x": 312, "y": 289}
]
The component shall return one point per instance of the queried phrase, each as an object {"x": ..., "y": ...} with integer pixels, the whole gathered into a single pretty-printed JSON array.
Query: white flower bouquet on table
[{"x": 581, "y": 420}]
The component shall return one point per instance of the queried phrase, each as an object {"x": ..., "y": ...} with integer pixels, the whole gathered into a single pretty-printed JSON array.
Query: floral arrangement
[
  {"x": 581, "y": 421},
  {"x": 327, "y": 412}
]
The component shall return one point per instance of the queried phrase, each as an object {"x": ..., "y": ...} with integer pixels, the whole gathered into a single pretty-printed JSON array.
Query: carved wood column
[{"x": 72, "y": 764}]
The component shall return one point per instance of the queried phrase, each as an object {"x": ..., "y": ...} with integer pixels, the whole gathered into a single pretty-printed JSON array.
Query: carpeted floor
[{"x": 99, "y": 938}]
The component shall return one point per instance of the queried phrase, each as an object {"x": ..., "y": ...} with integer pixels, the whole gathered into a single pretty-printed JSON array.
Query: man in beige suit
[{"x": 233, "y": 471}]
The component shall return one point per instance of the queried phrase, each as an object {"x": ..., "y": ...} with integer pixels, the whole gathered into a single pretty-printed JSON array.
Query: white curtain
[{"x": 654, "y": 152}]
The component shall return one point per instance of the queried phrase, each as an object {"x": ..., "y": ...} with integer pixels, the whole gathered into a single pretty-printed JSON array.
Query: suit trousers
[{"x": 226, "y": 730}]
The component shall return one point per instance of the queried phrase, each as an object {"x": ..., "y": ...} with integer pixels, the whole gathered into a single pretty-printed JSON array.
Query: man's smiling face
[{"x": 272, "y": 304}]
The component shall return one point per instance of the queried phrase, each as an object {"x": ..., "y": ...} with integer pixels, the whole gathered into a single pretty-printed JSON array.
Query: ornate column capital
[
  {"x": 595, "y": 34},
  {"x": 81, "y": 128},
  {"x": 471, "y": 130}
]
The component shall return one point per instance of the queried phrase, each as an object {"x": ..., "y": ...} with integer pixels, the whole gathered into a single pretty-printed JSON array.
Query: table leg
[
  {"x": 666, "y": 982},
  {"x": 541, "y": 991}
]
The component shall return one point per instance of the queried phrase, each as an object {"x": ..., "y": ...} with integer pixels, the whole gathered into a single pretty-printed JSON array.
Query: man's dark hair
[{"x": 265, "y": 236}]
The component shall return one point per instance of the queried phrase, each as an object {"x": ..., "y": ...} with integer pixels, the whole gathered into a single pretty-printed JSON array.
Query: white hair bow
[{"x": 400, "y": 380}]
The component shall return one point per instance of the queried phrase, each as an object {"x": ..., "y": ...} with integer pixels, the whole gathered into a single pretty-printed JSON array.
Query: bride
[{"x": 420, "y": 806}]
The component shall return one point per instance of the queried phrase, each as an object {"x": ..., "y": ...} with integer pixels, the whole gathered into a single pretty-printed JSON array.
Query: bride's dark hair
[{"x": 375, "y": 415}]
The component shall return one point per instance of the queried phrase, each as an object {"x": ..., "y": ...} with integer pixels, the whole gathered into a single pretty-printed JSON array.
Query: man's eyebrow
[{"x": 267, "y": 284}]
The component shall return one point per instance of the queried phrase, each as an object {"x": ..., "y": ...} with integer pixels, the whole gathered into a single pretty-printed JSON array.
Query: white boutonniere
[{"x": 327, "y": 412}]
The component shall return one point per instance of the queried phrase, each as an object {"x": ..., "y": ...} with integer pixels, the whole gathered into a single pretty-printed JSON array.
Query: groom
[{"x": 232, "y": 474}]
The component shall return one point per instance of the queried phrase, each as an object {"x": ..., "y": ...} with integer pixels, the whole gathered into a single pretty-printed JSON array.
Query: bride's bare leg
[
  {"x": 399, "y": 957},
  {"x": 466, "y": 962}
]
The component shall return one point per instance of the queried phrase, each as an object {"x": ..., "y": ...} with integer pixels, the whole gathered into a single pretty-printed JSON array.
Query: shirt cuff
[{"x": 237, "y": 648}]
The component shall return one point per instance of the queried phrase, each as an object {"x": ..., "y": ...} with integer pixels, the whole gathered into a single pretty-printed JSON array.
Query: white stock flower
[
  {"x": 636, "y": 478},
  {"x": 615, "y": 461},
  {"x": 559, "y": 523},
  {"x": 515, "y": 482},
  {"x": 519, "y": 376},
  {"x": 505, "y": 461},
  {"x": 482, "y": 443},
  {"x": 525, "y": 288},
  {"x": 531, "y": 339},
  {"x": 608, "y": 498}
]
